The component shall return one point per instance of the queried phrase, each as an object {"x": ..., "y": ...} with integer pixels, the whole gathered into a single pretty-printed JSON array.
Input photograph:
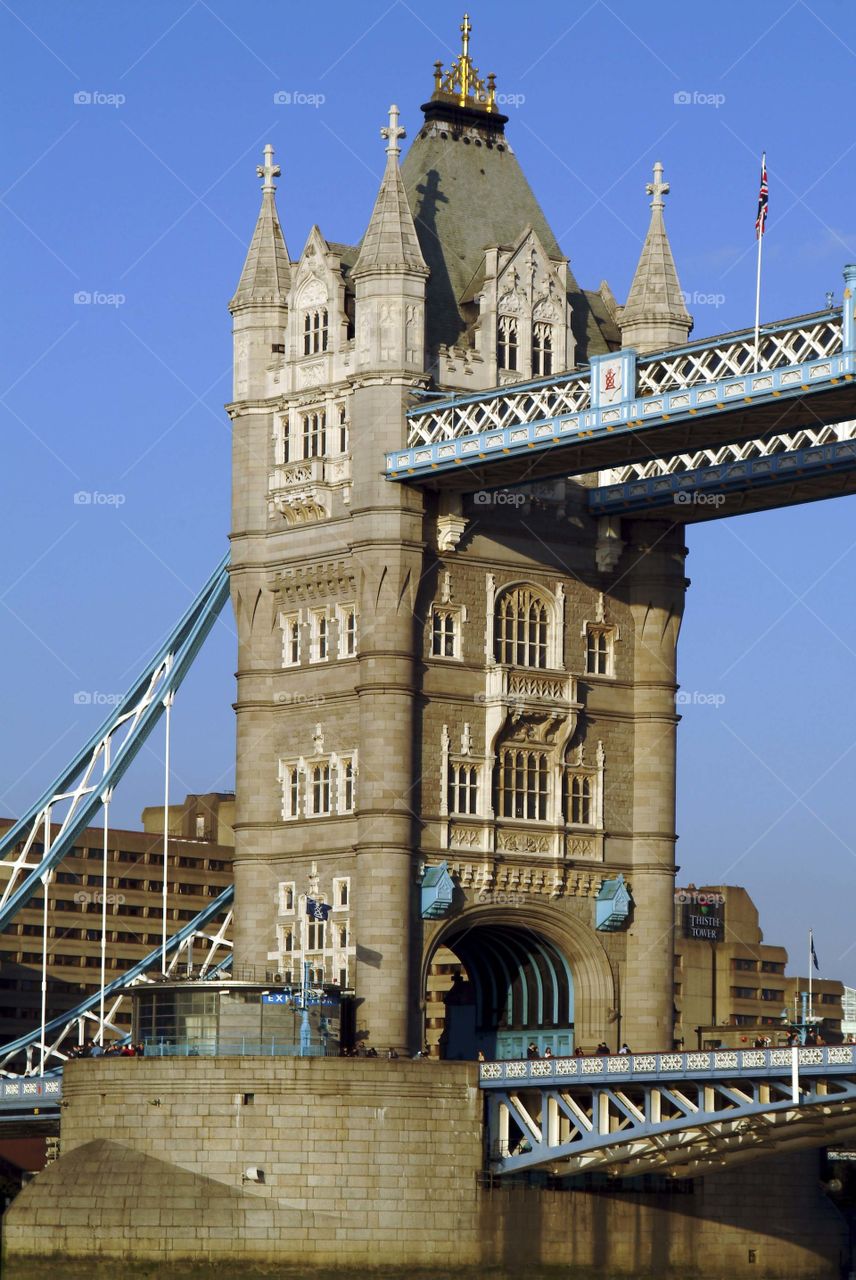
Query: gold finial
[{"x": 462, "y": 82}]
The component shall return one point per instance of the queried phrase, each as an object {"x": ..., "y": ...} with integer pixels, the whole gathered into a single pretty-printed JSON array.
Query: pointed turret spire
[
  {"x": 390, "y": 242},
  {"x": 266, "y": 277},
  {"x": 655, "y": 315}
]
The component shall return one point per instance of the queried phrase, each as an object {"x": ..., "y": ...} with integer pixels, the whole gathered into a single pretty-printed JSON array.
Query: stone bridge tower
[{"x": 484, "y": 683}]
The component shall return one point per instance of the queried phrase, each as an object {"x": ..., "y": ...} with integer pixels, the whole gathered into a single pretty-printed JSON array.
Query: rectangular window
[
  {"x": 342, "y": 931},
  {"x": 346, "y": 784},
  {"x": 506, "y": 343},
  {"x": 599, "y": 651},
  {"x": 315, "y": 935},
  {"x": 523, "y": 784},
  {"x": 347, "y": 630},
  {"x": 542, "y": 349},
  {"x": 319, "y": 636},
  {"x": 314, "y": 434},
  {"x": 746, "y": 965},
  {"x": 341, "y": 892},
  {"x": 770, "y": 966},
  {"x": 580, "y": 799},
  {"x": 290, "y": 775},
  {"x": 343, "y": 429},
  {"x": 315, "y": 331},
  {"x": 286, "y": 897},
  {"x": 768, "y": 993},
  {"x": 463, "y": 788},
  {"x": 287, "y": 939},
  {"x": 444, "y": 633},
  {"x": 290, "y": 623},
  {"x": 319, "y": 790},
  {"x": 744, "y": 993}
]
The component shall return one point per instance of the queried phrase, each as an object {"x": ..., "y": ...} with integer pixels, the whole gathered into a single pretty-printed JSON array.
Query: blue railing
[{"x": 653, "y": 1067}]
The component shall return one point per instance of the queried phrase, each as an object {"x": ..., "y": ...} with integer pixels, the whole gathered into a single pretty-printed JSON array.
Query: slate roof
[{"x": 466, "y": 197}]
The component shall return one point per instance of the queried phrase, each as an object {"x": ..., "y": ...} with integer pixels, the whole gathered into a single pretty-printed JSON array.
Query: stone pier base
[{"x": 371, "y": 1165}]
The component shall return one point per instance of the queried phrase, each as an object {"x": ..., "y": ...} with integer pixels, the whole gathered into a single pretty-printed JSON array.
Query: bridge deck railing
[
  {"x": 789, "y": 342},
  {"x": 647, "y": 1067}
]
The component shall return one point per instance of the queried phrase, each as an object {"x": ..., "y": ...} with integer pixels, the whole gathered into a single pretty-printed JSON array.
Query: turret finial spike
[
  {"x": 268, "y": 170},
  {"x": 393, "y": 132}
]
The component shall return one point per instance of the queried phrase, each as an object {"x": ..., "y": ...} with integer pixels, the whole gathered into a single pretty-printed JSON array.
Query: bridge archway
[{"x": 496, "y": 979}]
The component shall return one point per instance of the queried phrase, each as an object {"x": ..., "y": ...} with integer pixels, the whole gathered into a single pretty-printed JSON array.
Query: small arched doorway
[{"x": 498, "y": 987}]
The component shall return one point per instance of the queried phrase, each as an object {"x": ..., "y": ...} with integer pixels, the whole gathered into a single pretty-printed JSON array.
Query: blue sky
[{"x": 145, "y": 195}]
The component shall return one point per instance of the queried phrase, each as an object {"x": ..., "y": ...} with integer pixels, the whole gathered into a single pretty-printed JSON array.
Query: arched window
[
  {"x": 523, "y": 784},
  {"x": 542, "y": 348},
  {"x": 521, "y": 628},
  {"x": 315, "y": 331},
  {"x": 506, "y": 343},
  {"x": 320, "y": 789}
]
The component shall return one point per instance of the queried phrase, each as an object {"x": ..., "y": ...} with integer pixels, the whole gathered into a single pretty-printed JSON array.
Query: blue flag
[
  {"x": 813, "y": 953},
  {"x": 317, "y": 910}
]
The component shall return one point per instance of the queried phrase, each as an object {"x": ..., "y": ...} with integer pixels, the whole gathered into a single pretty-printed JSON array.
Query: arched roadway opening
[{"x": 497, "y": 980}]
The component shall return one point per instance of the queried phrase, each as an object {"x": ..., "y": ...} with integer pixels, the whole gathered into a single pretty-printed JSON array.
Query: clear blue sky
[{"x": 154, "y": 198}]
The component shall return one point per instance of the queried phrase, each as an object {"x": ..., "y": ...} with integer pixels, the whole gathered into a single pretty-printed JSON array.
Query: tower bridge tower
[{"x": 484, "y": 682}]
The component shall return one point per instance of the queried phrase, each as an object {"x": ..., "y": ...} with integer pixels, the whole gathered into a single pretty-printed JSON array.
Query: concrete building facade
[
  {"x": 731, "y": 985},
  {"x": 200, "y": 869},
  {"x": 486, "y": 682}
]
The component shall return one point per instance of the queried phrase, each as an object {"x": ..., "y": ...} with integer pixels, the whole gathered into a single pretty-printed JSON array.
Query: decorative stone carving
[{"x": 609, "y": 545}]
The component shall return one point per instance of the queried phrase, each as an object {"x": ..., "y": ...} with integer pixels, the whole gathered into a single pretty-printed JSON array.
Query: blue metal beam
[{"x": 183, "y": 644}]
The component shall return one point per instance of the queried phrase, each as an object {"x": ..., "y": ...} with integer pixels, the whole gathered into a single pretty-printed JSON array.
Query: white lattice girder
[
  {"x": 741, "y": 451},
  {"x": 720, "y": 357}
]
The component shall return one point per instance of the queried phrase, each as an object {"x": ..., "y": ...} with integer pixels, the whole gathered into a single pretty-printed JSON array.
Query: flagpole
[
  {"x": 758, "y": 303},
  {"x": 810, "y": 962}
]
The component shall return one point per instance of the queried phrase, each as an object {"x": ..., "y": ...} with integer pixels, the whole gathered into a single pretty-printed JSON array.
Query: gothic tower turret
[{"x": 655, "y": 315}]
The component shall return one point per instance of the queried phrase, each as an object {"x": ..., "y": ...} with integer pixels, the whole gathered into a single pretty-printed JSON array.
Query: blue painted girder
[
  {"x": 184, "y": 642},
  {"x": 801, "y": 475}
]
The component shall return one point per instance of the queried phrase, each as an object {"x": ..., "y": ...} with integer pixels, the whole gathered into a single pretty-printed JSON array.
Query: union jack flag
[{"x": 761, "y": 220}]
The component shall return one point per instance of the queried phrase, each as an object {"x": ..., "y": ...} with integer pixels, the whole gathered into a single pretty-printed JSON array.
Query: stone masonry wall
[{"x": 371, "y": 1164}]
